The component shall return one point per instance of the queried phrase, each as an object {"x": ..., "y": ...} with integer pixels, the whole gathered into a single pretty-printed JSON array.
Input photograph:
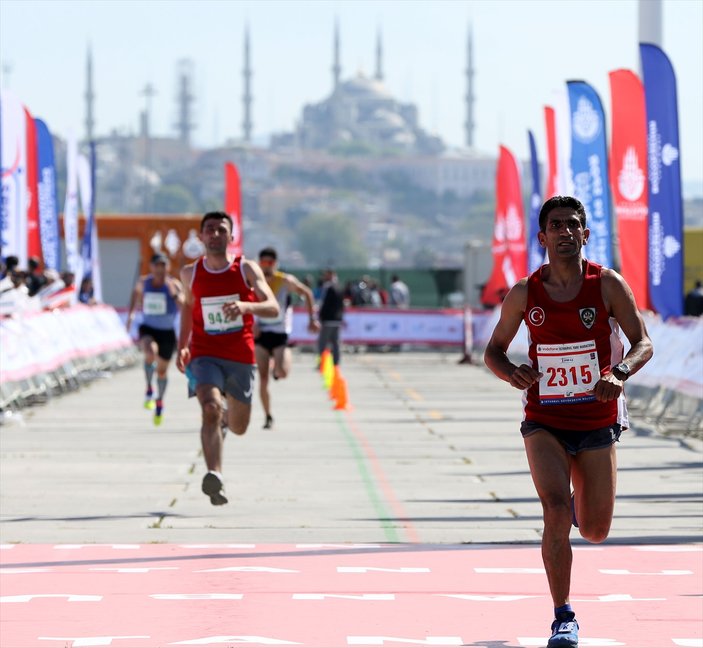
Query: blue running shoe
[{"x": 565, "y": 634}]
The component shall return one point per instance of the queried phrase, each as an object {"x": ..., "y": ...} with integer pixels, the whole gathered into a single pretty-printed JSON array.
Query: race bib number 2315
[{"x": 569, "y": 372}]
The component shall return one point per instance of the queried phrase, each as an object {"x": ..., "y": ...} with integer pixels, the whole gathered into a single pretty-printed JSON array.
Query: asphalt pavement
[{"x": 429, "y": 452}]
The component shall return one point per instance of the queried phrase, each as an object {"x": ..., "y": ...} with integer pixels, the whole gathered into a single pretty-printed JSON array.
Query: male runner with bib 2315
[
  {"x": 216, "y": 341},
  {"x": 573, "y": 389}
]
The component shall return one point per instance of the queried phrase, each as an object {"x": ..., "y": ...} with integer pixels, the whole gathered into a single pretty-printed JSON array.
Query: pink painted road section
[{"x": 333, "y": 596}]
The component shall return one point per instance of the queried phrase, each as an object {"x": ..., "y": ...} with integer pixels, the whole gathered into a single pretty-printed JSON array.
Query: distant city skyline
[{"x": 521, "y": 53}]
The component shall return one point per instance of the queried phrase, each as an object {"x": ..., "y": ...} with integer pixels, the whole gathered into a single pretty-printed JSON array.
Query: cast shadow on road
[
  {"x": 94, "y": 518},
  {"x": 374, "y": 549}
]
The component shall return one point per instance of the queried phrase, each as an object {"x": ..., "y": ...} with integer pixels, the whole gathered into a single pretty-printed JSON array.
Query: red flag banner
[
  {"x": 628, "y": 179},
  {"x": 552, "y": 162},
  {"x": 233, "y": 207},
  {"x": 33, "y": 234},
  {"x": 509, "y": 248}
]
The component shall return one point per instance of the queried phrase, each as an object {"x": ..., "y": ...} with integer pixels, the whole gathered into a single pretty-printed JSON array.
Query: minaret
[
  {"x": 336, "y": 68},
  {"x": 246, "y": 97},
  {"x": 89, "y": 97},
  {"x": 469, "y": 124},
  {"x": 184, "y": 99},
  {"x": 379, "y": 57}
]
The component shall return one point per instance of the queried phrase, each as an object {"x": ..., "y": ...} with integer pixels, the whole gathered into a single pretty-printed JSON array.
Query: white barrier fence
[{"x": 48, "y": 352}]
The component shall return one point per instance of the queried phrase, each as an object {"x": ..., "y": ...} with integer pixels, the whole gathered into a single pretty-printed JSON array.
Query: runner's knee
[
  {"x": 212, "y": 411},
  {"x": 594, "y": 532}
]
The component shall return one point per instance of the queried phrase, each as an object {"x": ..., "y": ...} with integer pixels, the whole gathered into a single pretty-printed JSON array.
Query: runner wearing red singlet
[
  {"x": 216, "y": 342},
  {"x": 573, "y": 389}
]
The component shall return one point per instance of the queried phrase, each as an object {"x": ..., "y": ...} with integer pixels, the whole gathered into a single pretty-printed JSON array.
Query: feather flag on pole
[
  {"x": 589, "y": 166},
  {"x": 665, "y": 201},
  {"x": 628, "y": 179},
  {"x": 509, "y": 249},
  {"x": 13, "y": 160},
  {"x": 233, "y": 207}
]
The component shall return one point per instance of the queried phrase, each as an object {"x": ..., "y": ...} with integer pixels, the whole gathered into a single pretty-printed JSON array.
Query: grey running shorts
[
  {"x": 574, "y": 441},
  {"x": 233, "y": 378}
]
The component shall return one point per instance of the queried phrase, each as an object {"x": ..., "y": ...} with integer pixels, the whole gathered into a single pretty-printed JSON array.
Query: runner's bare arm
[
  {"x": 135, "y": 300},
  {"x": 621, "y": 305},
  {"x": 183, "y": 352},
  {"x": 267, "y": 306},
  {"x": 496, "y": 354},
  {"x": 299, "y": 288},
  {"x": 175, "y": 287}
]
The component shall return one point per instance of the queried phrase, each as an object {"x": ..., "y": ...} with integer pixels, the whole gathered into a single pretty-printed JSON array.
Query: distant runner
[
  {"x": 216, "y": 341},
  {"x": 273, "y": 354},
  {"x": 159, "y": 296},
  {"x": 573, "y": 389}
]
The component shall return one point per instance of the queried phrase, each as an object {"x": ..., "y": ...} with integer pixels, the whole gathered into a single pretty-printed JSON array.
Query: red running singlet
[
  {"x": 213, "y": 334},
  {"x": 572, "y": 344}
]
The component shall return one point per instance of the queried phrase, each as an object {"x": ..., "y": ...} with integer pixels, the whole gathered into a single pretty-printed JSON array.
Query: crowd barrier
[{"x": 51, "y": 352}]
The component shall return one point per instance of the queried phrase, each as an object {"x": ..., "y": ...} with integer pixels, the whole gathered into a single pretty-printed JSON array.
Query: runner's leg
[
  {"x": 281, "y": 361},
  {"x": 263, "y": 361},
  {"x": 550, "y": 469},
  {"x": 210, "y": 432},
  {"x": 594, "y": 475},
  {"x": 239, "y": 415}
]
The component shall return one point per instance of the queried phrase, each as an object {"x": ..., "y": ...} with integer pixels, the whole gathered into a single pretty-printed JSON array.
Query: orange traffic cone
[
  {"x": 334, "y": 385},
  {"x": 341, "y": 401}
]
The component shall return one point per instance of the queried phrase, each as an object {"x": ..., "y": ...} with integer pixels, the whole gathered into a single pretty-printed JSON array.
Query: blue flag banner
[
  {"x": 535, "y": 257},
  {"x": 48, "y": 210},
  {"x": 665, "y": 202},
  {"x": 589, "y": 166}
]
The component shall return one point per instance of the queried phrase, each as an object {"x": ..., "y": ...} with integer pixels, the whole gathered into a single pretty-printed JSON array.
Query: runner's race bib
[
  {"x": 214, "y": 319},
  {"x": 154, "y": 303},
  {"x": 569, "y": 372}
]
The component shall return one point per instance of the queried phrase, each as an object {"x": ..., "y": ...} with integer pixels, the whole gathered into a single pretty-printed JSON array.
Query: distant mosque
[{"x": 361, "y": 110}]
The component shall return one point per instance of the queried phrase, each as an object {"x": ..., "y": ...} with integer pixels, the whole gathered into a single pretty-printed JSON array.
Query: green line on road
[{"x": 371, "y": 490}]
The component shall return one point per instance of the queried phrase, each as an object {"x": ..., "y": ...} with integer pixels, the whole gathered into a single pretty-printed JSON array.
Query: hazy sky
[{"x": 522, "y": 52}]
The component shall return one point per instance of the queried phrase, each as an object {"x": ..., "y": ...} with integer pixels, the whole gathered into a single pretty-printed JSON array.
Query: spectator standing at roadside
[
  {"x": 693, "y": 304},
  {"x": 331, "y": 315},
  {"x": 399, "y": 293},
  {"x": 36, "y": 279}
]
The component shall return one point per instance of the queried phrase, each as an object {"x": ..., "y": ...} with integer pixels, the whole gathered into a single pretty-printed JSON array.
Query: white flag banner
[
  {"x": 70, "y": 210},
  {"x": 13, "y": 159},
  {"x": 89, "y": 258}
]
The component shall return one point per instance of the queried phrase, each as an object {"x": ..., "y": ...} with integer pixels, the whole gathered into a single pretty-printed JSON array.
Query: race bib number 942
[
  {"x": 215, "y": 321},
  {"x": 569, "y": 372}
]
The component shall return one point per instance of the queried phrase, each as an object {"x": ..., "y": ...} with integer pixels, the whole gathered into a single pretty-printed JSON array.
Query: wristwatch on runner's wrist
[{"x": 621, "y": 371}]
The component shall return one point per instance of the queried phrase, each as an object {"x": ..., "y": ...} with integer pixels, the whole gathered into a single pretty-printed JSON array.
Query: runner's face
[
  {"x": 216, "y": 235},
  {"x": 158, "y": 271},
  {"x": 268, "y": 265},
  {"x": 564, "y": 235}
]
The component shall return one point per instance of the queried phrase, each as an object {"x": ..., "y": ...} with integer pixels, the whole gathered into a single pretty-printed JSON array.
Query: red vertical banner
[
  {"x": 628, "y": 179},
  {"x": 33, "y": 234},
  {"x": 509, "y": 248},
  {"x": 552, "y": 161},
  {"x": 233, "y": 207}
]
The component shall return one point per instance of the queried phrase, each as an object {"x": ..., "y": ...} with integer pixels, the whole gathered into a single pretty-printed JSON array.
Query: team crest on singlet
[
  {"x": 536, "y": 316},
  {"x": 588, "y": 316}
]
